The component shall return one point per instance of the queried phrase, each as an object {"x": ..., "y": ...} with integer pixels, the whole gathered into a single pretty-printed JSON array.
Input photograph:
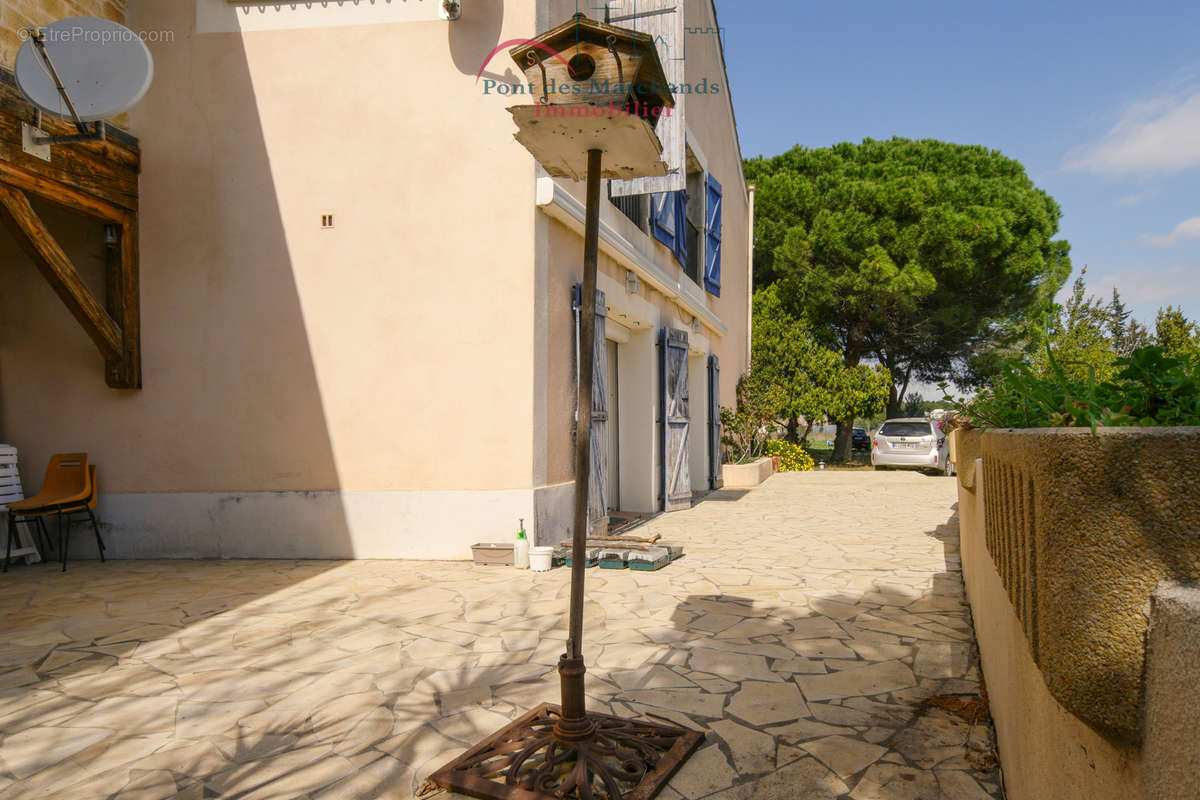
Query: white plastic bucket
[{"x": 541, "y": 558}]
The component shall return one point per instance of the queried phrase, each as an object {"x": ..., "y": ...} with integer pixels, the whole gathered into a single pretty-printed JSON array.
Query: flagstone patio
[{"x": 816, "y": 629}]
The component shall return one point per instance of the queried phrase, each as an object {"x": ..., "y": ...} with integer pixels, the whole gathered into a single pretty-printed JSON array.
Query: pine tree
[
  {"x": 1176, "y": 334},
  {"x": 1126, "y": 333}
]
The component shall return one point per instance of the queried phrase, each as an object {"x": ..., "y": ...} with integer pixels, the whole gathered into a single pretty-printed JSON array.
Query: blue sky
[{"x": 1099, "y": 101}]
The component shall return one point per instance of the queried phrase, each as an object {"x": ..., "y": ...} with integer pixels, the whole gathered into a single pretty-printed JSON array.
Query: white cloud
[
  {"x": 1130, "y": 200},
  {"x": 1147, "y": 288},
  {"x": 1136, "y": 199},
  {"x": 1159, "y": 135},
  {"x": 1188, "y": 229}
]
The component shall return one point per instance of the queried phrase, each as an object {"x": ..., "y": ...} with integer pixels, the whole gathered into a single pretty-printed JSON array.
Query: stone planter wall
[
  {"x": 747, "y": 476},
  {"x": 1046, "y": 752},
  {"x": 1081, "y": 530}
]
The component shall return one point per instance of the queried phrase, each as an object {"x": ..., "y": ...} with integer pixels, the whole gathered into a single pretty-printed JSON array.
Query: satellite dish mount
[
  {"x": 83, "y": 70},
  {"x": 86, "y": 134}
]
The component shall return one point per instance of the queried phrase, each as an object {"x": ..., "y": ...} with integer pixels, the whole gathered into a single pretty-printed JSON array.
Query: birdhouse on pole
[
  {"x": 585, "y": 61},
  {"x": 601, "y": 90},
  {"x": 596, "y": 86}
]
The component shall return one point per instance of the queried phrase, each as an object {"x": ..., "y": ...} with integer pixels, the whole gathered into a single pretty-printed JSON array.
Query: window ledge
[{"x": 561, "y": 205}]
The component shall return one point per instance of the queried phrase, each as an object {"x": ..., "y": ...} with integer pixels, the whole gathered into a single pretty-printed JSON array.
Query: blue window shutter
[
  {"x": 712, "y": 233},
  {"x": 662, "y": 218},
  {"x": 681, "y": 249}
]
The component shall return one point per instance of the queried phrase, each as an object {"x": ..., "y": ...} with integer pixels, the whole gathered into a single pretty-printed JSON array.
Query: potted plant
[{"x": 745, "y": 431}]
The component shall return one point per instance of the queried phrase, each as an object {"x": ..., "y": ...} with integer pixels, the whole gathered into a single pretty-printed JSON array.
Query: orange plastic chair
[
  {"x": 66, "y": 483},
  {"x": 70, "y": 489}
]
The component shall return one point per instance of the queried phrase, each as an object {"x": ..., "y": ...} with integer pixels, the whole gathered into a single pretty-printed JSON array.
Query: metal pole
[
  {"x": 39, "y": 44},
  {"x": 570, "y": 666},
  {"x": 586, "y": 756}
]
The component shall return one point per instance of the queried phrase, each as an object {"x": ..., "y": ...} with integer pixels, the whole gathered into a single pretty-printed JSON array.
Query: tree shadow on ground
[
  {"x": 719, "y": 496},
  {"x": 873, "y": 692},
  {"x": 343, "y": 683},
  {"x": 353, "y": 683}
]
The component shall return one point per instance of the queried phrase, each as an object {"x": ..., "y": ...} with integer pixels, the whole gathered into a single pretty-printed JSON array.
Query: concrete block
[
  {"x": 614, "y": 558},
  {"x": 1171, "y": 757},
  {"x": 653, "y": 559},
  {"x": 746, "y": 476}
]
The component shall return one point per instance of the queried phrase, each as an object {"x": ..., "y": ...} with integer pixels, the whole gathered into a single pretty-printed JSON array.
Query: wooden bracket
[
  {"x": 117, "y": 341},
  {"x": 96, "y": 179}
]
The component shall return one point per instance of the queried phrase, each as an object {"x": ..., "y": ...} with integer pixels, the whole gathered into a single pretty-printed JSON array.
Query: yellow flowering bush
[{"x": 792, "y": 457}]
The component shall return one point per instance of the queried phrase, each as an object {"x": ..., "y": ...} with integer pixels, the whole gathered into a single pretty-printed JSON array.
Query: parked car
[
  {"x": 859, "y": 440},
  {"x": 912, "y": 443}
]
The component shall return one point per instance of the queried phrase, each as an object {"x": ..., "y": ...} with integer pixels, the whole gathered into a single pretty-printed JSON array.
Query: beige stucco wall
[
  {"x": 332, "y": 392},
  {"x": 711, "y": 122},
  {"x": 566, "y": 269},
  {"x": 281, "y": 356}
]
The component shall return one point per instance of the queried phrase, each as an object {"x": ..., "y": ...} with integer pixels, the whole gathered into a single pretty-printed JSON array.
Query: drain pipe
[{"x": 750, "y": 279}]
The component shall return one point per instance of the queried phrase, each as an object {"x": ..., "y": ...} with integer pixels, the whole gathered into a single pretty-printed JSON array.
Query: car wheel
[
  {"x": 880, "y": 468},
  {"x": 948, "y": 469}
]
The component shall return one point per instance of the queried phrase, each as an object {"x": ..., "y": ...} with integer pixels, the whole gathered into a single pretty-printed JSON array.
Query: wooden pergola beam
[
  {"x": 34, "y": 238},
  {"x": 61, "y": 194}
]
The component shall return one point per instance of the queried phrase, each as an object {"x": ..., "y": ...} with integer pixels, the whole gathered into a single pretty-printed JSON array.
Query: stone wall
[
  {"x": 1081, "y": 530},
  {"x": 1046, "y": 752},
  {"x": 1047, "y": 749},
  {"x": 16, "y": 14}
]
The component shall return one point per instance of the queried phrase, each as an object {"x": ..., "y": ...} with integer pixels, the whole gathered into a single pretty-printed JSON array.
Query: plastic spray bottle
[{"x": 521, "y": 549}]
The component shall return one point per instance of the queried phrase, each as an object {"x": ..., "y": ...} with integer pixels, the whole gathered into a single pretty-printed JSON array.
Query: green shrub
[
  {"x": 744, "y": 431},
  {"x": 792, "y": 457},
  {"x": 1150, "y": 389}
]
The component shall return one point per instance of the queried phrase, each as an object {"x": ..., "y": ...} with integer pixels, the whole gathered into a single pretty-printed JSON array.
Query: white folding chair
[{"x": 10, "y": 492}]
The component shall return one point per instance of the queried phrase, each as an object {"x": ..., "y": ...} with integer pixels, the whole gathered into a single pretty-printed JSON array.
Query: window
[
  {"x": 687, "y": 222},
  {"x": 636, "y": 207},
  {"x": 906, "y": 429},
  {"x": 695, "y": 220}
]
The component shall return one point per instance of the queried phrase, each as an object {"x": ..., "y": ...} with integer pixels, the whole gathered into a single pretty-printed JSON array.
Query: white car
[{"x": 914, "y": 443}]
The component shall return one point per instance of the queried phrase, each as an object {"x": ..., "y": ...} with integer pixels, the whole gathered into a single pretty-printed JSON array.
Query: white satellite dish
[{"x": 83, "y": 69}]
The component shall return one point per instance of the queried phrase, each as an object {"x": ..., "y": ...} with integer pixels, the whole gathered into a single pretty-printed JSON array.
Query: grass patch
[{"x": 823, "y": 452}]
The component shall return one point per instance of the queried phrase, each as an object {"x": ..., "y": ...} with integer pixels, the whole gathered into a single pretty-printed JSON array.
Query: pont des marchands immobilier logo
[{"x": 562, "y": 92}]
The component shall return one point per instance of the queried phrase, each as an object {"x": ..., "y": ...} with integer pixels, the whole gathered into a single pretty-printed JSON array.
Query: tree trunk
[
  {"x": 893, "y": 404},
  {"x": 807, "y": 430},
  {"x": 844, "y": 440},
  {"x": 793, "y": 430},
  {"x": 842, "y": 443}
]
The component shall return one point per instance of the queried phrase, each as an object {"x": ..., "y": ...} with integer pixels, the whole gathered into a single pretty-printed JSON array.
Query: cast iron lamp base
[{"x": 542, "y": 756}]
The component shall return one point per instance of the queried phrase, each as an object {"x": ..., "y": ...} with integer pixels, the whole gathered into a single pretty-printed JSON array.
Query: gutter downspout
[{"x": 750, "y": 280}]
